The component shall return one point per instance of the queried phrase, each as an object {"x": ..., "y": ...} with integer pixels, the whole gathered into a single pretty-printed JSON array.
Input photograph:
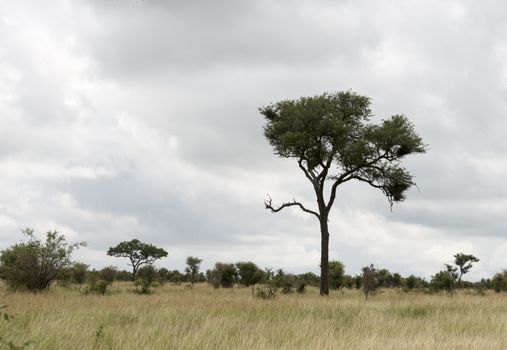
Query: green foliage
[
  {"x": 96, "y": 286},
  {"x": 223, "y": 275},
  {"x": 499, "y": 282},
  {"x": 108, "y": 273},
  {"x": 332, "y": 140},
  {"x": 412, "y": 282},
  {"x": 336, "y": 274},
  {"x": 309, "y": 279},
  {"x": 146, "y": 276},
  {"x": 137, "y": 252},
  {"x": 34, "y": 264},
  {"x": 266, "y": 291},
  {"x": 249, "y": 273},
  {"x": 464, "y": 263},
  {"x": 369, "y": 280},
  {"x": 79, "y": 272},
  {"x": 333, "y": 128},
  {"x": 192, "y": 268},
  {"x": 445, "y": 280},
  {"x": 286, "y": 282}
]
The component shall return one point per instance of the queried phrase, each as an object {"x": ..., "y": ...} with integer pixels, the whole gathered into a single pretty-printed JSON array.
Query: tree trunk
[{"x": 324, "y": 257}]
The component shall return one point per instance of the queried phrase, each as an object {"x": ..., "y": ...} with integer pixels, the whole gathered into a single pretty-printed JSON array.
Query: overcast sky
[{"x": 125, "y": 119}]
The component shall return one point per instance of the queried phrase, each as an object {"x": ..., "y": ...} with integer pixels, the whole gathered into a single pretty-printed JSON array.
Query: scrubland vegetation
[
  {"x": 50, "y": 302},
  {"x": 202, "y": 317}
]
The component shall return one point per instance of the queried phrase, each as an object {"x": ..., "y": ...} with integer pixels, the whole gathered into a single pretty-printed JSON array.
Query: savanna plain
[{"x": 201, "y": 317}]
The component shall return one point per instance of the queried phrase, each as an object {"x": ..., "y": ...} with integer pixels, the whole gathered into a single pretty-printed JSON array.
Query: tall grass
[{"x": 177, "y": 317}]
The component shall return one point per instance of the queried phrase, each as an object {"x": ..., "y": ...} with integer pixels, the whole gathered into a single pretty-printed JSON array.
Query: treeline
[{"x": 35, "y": 264}]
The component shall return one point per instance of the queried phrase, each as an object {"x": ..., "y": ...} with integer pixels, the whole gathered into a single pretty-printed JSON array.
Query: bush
[
  {"x": 369, "y": 280},
  {"x": 97, "y": 286},
  {"x": 33, "y": 265},
  {"x": 223, "y": 275},
  {"x": 146, "y": 276},
  {"x": 286, "y": 282},
  {"x": 445, "y": 280},
  {"x": 79, "y": 272},
  {"x": 266, "y": 291},
  {"x": 499, "y": 281},
  {"x": 108, "y": 273},
  {"x": 336, "y": 274}
]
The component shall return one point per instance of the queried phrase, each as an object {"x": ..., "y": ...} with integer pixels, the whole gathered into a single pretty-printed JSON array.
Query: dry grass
[{"x": 176, "y": 317}]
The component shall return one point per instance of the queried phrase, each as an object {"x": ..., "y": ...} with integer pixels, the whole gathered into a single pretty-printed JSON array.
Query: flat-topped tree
[
  {"x": 138, "y": 252},
  {"x": 333, "y": 143}
]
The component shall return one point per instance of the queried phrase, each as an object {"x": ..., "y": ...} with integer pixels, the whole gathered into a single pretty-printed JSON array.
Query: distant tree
[
  {"x": 223, "y": 275},
  {"x": 108, "y": 273},
  {"x": 333, "y": 143},
  {"x": 445, "y": 279},
  {"x": 124, "y": 275},
  {"x": 79, "y": 272},
  {"x": 138, "y": 252},
  {"x": 146, "y": 276},
  {"x": 499, "y": 281},
  {"x": 309, "y": 278},
  {"x": 192, "y": 268},
  {"x": 410, "y": 283},
  {"x": 34, "y": 264},
  {"x": 176, "y": 277},
  {"x": 464, "y": 263},
  {"x": 249, "y": 273},
  {"x": 285, "y": 281},
  {"x": 357, "y": 280},
  {"x": 163, "y": 275},
  {"x": 397, "y": 280},
  {"x": 369, "y": 280},
  {"x": 336, "y": 273}
]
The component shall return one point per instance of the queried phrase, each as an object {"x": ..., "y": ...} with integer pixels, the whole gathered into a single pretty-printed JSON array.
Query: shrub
[
  {"x": 336, "y": 274},
  {"x": 97, "y": 286},
  {"x": 108, "y": 273},
  {"x": 369, "y": 280},
  {"x": 223, "y": 275},
  {"x": 266, "y": 291},
  {"x": 499, "y": 281},
  {"x": 146, "y": 276},
  {"x": 33, "y": 265}
]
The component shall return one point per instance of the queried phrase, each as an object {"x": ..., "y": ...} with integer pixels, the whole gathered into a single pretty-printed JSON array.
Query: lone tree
[
  {"x": 138, "y": 252},
  {"x": 192, "y": 268},
  {"x": 333, "y": 143},
  {"x": 464, "y": 263}
]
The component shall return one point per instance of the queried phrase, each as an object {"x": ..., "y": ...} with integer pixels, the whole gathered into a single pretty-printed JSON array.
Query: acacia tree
[
  {"x": 333, "y": 143},
  {"x": 192, "y": 267},
  {"x": 464, "y": 263},
  {"x": 138, "y": 252}
]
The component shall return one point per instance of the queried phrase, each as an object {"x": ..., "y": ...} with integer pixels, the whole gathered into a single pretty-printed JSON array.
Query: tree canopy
[
  {"x": 139, "y": 253},
  {"x": 333, "y": 142}
]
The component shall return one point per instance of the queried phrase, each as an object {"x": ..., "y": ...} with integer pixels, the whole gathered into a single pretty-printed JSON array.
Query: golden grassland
[{"x": 179, "y": 317}]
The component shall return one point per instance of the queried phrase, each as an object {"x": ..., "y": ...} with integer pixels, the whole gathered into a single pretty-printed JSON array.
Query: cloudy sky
[{"x": 127, "y": 119}]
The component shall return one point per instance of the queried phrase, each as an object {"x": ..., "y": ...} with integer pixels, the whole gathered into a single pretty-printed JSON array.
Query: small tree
[
  {"x": 369, "y": 280},
  {"x": 79, "y": 272},
  {"x": 147, "y": 275},
  {"x": 33, "y": 265},
  {"x": 445, "y": 279},
  {"x": 499, "y": 281},
  {"x": 249, "y": 273},
  {"x": 223, "y": 275},
  {"x": 336, "y": 273},
  {"x": 192, "y": 268},
  {"x": 138, "y": 252},
  {"x": 108, "y": 273},
  {"x": 464, "y": 263}
]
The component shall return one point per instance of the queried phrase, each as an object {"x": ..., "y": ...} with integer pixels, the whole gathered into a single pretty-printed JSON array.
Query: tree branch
[{"x": 268, "y": 204}]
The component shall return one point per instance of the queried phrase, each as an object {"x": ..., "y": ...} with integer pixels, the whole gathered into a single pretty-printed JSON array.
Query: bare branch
[{"x": 268, "y": 204}]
